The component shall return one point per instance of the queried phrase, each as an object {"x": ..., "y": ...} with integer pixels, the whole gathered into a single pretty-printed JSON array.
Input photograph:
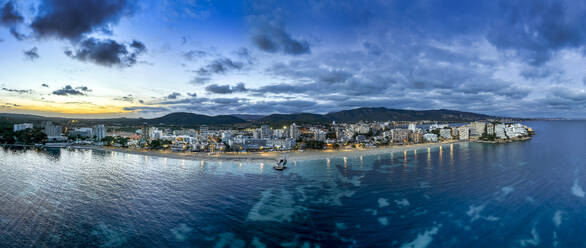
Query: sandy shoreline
[{"x": 272, "y": 156}]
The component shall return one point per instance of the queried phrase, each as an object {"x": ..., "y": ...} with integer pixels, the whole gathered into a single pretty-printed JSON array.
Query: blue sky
[{"x": 107, "y": 58}]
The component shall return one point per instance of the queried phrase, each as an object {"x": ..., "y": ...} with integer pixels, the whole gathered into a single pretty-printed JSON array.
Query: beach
[{"x": 272, "y": 156}]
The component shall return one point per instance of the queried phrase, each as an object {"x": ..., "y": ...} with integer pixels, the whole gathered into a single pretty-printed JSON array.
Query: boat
[{"x": 281, "y": 164}]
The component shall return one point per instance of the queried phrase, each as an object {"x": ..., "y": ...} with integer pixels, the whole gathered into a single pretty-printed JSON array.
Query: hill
[
  {"x": 183, "y": 119},
  {"x": 191, "y": 119},
  {"x": 384, "y": 114},
  {"x": 373, "y": 114}
]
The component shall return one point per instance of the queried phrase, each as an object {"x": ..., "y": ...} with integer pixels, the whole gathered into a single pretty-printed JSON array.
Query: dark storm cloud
[
  {"x": 70, "y": 91},
  {"x": 71, "y": 19},
  {"x": 9, "y": 15},
  {"x": 271, "y": 37},
  {"x": 283, "y": 88},
  {"x": 107, "y": 52},
  {"x": 536, "y": 30},
  {"x": 226, "y": 89},
  {"x": 18, "y": 91},
  {"x": 31, "y": 54}
]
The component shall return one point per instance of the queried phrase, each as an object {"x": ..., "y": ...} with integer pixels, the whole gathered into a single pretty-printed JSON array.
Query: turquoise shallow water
[{"x": 481, "y": 195}]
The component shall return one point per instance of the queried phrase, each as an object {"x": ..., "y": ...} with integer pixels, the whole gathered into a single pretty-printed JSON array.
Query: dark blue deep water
[{"x": 464, "y": 195}]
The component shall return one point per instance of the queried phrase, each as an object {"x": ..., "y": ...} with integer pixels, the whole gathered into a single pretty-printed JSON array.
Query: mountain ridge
[{"x": 187, "y": 119}]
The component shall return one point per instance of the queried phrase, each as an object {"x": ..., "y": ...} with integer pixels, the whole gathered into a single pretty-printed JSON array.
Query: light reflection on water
[{"x": 518, "y": 194}]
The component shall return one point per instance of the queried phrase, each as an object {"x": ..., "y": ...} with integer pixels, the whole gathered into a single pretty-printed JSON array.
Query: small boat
[{"x": 281, "y": 164}]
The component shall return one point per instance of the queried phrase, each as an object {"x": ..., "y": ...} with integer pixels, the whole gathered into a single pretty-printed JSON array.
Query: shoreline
[{"x": 272, "y": 156}]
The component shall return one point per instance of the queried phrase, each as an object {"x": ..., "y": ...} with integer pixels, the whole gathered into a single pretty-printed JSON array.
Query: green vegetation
[
  {"x": 159, "y": 144},
  {"x": 112, "y": 140},
  {"x": 314, "y": 144},
  {"x": 487, "y": 137},
  {"x": 27, "y": 136}
]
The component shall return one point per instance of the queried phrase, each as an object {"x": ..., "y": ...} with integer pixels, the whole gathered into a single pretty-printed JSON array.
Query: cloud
[
  {"x": 226, "y": 89},
  {"x": 270, "y": 36},
  {"x": 146, "y": 109},
  {"x": 31, "y": 54},
  {"x": 107, "y": 52},
  {"x": 72, "y": 19},
  {"x": 17, "y": 35},
  {"x": 537, "y": 30},
  {"x": 219, "y": 66},
  {"x": 200, "y": 80},
  {"x": 70, "y": 91},
  {"x": 127, "y": 98},
  {"x": 18, "y": 91},
  {"x": 9, "y": 16},
  {"x": 174, "y": 95},
  {"x": 194, "y": 54}
]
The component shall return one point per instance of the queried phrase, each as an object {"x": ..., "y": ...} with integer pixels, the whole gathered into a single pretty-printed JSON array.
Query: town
[{"x": 298, "y": 137}]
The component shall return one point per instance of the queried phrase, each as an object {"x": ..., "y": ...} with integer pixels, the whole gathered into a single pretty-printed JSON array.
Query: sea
[{"x": 523, "y": 194}]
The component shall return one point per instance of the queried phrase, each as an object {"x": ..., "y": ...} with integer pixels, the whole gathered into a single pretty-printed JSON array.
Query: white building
[
  {"x": 23, "y": 126},
  {"x": 156, "y": 134},
  {"x": 489, "y": 128},
  {"x": 412, "y": 127},
  {"x": 437, "y": 126},
  {"x": 499, "y": 131},
  {"x": 52, "y": 130},
  {"x": 464, "y": 133},
  {"x": 265, "y": 132},
  {"x": 294, "y": 131},
  {"x": 278, "y": 133},
  {"x": 203, "y": 132},
  {"x": 99, "y": 132},
  {"x": 477, "y": 129},
  {"x": 446, "y": 133},
  {"x": 430, "y": 137}
]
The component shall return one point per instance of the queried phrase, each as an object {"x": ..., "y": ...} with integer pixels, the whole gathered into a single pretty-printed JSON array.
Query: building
[
  {"x": 416, "y": 137},
  {"x": 515, "y": 130},
  {"x": 320, "y": 135},
  {"x": 156, "y": 134},
  {"x": 294, "y": 131},
  {"x": 52, "y": 130},
  {"x": 278, "y": 133},
  {"x": 437, "y": 126},
  {"x": 82, "y": 132},
  {"x": 282, "y": 144},
  {"x": 226, "y": 136},
  {"x": 255, "y": 143},
  {"x": 477, "y": 129},
  {"x": 445, "y": 133},
  {"x": 23, "y": 126},
  {"x": 489, "y": 129},
  {"x": 430, "y": 137},
  {"x": 399, "y": 135},
  {"x": 265, "y": 132},
  {"x": 412, "y": 127},
  {"x": 464, "y": 133},
  {"x": 203, "y": 132},
  {"x": 499, "y": 131},
  {"x": 99, "y": 132}
]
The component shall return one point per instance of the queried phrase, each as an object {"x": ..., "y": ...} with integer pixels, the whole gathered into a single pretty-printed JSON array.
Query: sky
[{"x": 122, "y": 58}]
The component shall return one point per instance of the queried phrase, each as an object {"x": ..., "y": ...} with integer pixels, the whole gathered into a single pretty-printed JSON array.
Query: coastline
[{"x": 272, "y": 156}]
